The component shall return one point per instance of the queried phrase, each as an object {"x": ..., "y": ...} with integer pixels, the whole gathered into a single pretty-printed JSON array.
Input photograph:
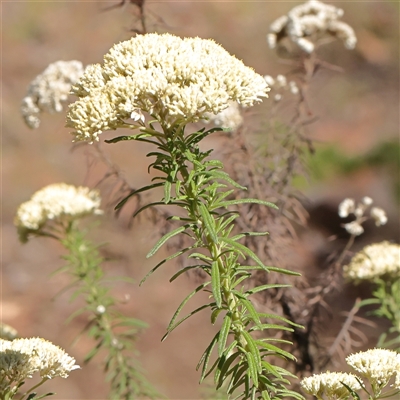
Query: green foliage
[
  {"x": 113, "y": 332},
  {"x": 386, "y": 297},
  {"x": 198, "y": 185}
]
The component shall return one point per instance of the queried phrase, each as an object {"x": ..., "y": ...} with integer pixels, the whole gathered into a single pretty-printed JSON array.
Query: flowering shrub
[{"x": 162, "y": 87}]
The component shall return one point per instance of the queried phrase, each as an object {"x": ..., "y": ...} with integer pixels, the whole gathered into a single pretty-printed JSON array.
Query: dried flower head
[
  {"x": 230, "y": 118},
  {"x": 376, "y": 365},
  {"x": 374, "y": 261},
  {"x": 49, "y": 90},
  {"x": 308, "y": 22},
  {"x": 7, "y": 332},
  {"x": 175, "y": 80},
  {"x": 330, "y": 384},
  {"x": 21, "y": 358},
  {"x": 58, "y": 203}
]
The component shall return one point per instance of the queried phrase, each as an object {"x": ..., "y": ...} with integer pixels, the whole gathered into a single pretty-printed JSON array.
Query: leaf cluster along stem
[
  {"x": 113, "y": 332},
  {"x": 199, "y": 186}
]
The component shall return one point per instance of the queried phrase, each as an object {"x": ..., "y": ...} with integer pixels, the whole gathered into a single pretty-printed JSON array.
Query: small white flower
[
  {"x": 270, "y": 80},
  {"x": 379, "y": 216},
  {"x": 367, "y": 200},
  {"x": 100, "y": 309},
  {"x": 354, "y": 228},
  {"x": 49, "y": 90},
  {"x": 346, "y": 207}
]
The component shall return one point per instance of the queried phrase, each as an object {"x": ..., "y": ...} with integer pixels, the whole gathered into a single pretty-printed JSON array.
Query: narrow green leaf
[
  {"x": 266, "y": 287},
  {"x": 145, "y": 207},
  {"x": 246, "y": 201},
  {"x": 252, "y": 311},
  {"x": 216, "y": 284},
  {"x": 263, "y": 327},
  {"x": 244, "y": 234},
  {"x": 177, "y": 254},
  {"x": 209, "y": 222},
  {"x": 185, "y": 300},
  {"x": 252, "y": 371},
  {"x": 251, "y": 343},
  {"x": 214, "y": 314},
  {"x": 244, "y": 250},
  {"x": 283, "y": 271},
  {"x": 143, "y": 189},
  {"x": 225, "y": 177},
  {"x": 185, "y": 318},
  {"x": 223, "y": 372},
  {"x": 200, "y": 256},
  {"x": 166, "y": 237},
  {"x": 279, "y": 318},
  {"x": 265, "y": 395},
  {"x": 239, "y": 378},
  {"x": 223, "y": 334},
  {"x": 167, "y": 191},
  {"x": 275, "y": 349},
  {"x": 241, "y": 279},
  {"x": 207, "y": 357},
  {"x": 122, "y": 138},
  {"x": 183, "y": 270}
]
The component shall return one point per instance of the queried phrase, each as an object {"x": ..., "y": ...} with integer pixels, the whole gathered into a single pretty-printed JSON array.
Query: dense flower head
[
  {"x": 49, "y": 90},
  {"x": 57, "y": 202},
  {"x": 374, "y": 261},
  {"x": 330, "y": 384},
  {"x": 175, "y": 80},
  {"x": 306, "y": 23},
  {"x": 378, "y": 366},
  {"x": 21, "y": 358}
]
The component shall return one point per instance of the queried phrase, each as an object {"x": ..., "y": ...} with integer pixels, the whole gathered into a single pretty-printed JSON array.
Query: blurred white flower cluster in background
[
  {"x": 374, "y": 261},
  {"x": 348, "y": 206},
  {"x": 49, "y": 90},
  {"x": 58, "y": 202},
  {"x": 305, "y": 24}
]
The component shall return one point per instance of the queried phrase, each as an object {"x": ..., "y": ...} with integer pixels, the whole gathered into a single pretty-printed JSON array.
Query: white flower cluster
[
  {"x": 7, "y": 332},
  {"x": 374, "y": 261},
  {"x": 378, "y": 366},
  {"x": 175, "y": 80},
  {"x": 21, "y": 358},
  {"x": 49, "y": 89},
  {"x": 56, "y": 202},
  {"x": 306, "y": 23},
  {"x": 230, "y": 118},
  {"x": 330, "y": 384},
  {"x": 280, "y": 84},
  {"x": 348, "y": 206}
]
